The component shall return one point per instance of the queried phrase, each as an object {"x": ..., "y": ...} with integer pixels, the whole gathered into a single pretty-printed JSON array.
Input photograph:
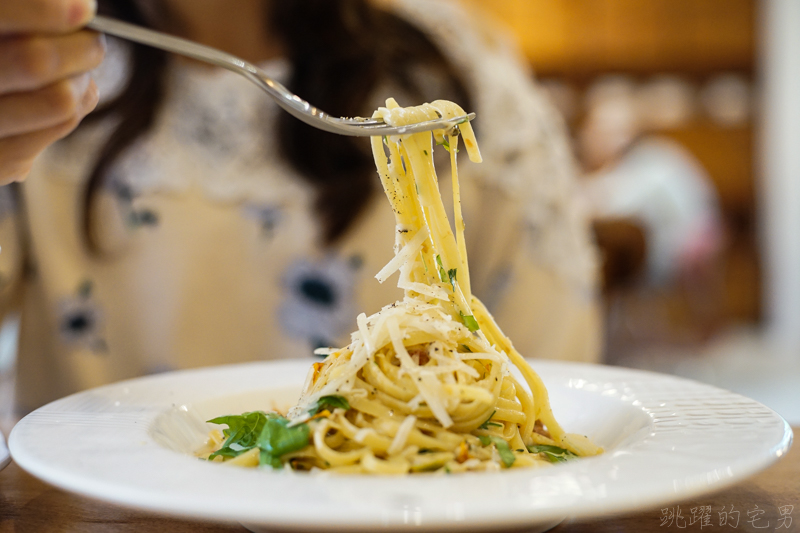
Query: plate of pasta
[
  {"x": 134, "y": 444},
  {"x": 428, "y": 419}
]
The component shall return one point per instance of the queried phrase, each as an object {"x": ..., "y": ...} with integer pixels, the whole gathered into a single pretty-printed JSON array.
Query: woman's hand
[{"x": 45, "y": 88}]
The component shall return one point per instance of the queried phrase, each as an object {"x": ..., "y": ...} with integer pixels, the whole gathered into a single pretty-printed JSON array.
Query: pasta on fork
[{"x": 426, "y": 382}]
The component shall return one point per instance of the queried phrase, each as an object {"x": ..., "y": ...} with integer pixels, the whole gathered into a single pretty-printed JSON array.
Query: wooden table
[{"x": 28, "y": 505}]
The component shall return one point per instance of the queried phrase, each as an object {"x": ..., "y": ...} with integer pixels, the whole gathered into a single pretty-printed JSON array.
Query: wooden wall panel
[
  {"x": 727, "y": 156},
  {"x": 578, "y": 40},
  {"x": 586, "y": 37}
]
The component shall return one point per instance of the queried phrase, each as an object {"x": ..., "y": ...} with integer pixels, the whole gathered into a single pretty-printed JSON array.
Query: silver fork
[{"x": 292, "y": 103}]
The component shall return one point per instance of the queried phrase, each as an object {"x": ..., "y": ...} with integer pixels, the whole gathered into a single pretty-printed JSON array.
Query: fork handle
[
  {"x": 283, "y": 96},
  {"x": 169, "y": 43},
  {"x": 289, "y": 101}
]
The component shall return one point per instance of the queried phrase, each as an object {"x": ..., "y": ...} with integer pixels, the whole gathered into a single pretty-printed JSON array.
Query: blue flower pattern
[
  {"x": 81, "y": 319},
  {"x": 319, "y": 299},
  {"x": 268, "y": 217},
  {"x": 125, "y": 195}
]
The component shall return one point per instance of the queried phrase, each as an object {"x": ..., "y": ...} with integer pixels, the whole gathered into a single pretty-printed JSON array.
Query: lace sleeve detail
[{"x": 523, "y": 139}]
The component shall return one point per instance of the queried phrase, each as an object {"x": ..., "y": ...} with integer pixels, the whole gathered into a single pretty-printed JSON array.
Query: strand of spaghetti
[
  {"x": 463, "y": 268},
  {"x": 328, "y": 454},
  {"x": 538, "y": 390},
  {"x": 382, "y": 163},
  {"x": 418, "y": 150},
  {"x": 442, "y": 237},
  {"x": 526, "y": 400},
  {"x": 449, "y": 110}
]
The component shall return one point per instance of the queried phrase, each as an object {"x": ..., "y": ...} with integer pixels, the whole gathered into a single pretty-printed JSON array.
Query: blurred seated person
[
  {"x": 654, "y": 180},
  {"x": 637, "y": 178},
  {"x": 188, "y": 221}
]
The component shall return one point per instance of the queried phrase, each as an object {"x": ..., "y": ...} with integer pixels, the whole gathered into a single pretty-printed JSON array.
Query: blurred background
[{"x": 684, "y": 116}]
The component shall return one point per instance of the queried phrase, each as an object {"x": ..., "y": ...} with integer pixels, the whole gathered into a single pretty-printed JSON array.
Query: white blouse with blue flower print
[{"x": 210, "y": 244}]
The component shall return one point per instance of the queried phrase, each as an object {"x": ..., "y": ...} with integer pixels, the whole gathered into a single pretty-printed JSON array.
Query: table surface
[{"x": 769, "y": 501}]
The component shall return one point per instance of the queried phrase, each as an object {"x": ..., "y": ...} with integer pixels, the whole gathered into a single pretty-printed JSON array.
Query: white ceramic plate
[{"x": 667, "y": 439}]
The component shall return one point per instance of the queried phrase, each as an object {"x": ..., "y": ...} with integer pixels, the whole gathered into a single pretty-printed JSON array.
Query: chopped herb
[
  {"x": 385, "y": 140},
  {"x": 466, "y": 348},
  {"x": 266, "y": 431},
  {"x": 488, "y": 422},
  {"x": 447, "y": 275},
  {"x": 506, "y": 455},
  {"x": 446, "y": 143},
  {"x": 554, "y": 454},
  {"x": 442, "y": 272},
  {"x": 451, "y": 274},
  {"x": 330, "y": 403},
  {"x": 425, "y": 152},
  {"x": 462, "y": 121},
  {"x": 469, "y": 321}
]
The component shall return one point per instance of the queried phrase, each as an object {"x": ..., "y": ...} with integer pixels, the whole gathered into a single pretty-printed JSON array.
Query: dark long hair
[{"x": 341, "y": 51}]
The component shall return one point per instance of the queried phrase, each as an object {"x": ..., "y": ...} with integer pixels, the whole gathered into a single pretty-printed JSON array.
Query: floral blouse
[{"x": 211, "y": 248}]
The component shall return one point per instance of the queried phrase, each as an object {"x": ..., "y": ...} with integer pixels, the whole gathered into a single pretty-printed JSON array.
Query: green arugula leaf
[
  {"x": 487, "y": 424},
  {"x": 330, "y": 403},
  {"x": 257, "y": 429},
  {"x": 554, "y": 454},
  {"x": 227, "y": 452},
  {"x": 469, "y": 321},
  {"x": 506, "y": 455},
  {"x": 276, "y": 439},
  {"x": 241, "y": 434}
]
